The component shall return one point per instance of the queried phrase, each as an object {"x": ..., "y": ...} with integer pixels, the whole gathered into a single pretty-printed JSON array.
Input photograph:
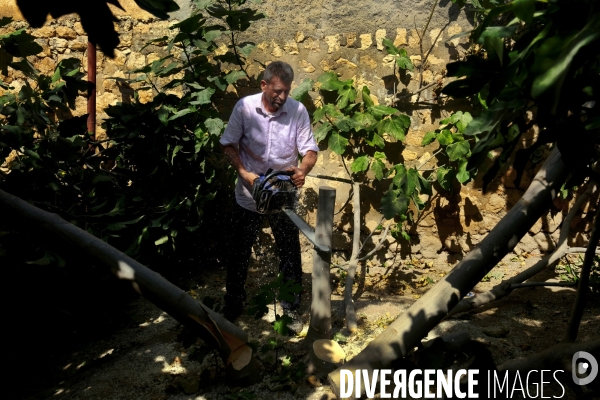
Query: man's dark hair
[{"x": 281, "y": 70}]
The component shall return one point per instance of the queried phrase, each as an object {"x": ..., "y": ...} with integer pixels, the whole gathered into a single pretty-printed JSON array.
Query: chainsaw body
[{"x": 274, "y": 191}]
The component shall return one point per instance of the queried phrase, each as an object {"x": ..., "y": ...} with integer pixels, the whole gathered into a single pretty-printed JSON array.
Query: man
[{"x": 266, "y": 130}]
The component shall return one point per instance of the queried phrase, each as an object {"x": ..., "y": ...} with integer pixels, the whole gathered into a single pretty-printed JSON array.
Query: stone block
[
  {"x": 368, "y": 61},
  {"x": 79, "y": 44},
  {"x": 365, "y": 41},
  {"x": 44, "y": 32},
  {"x": 58, "y": 44},
  {"x": 379, "y": 36},
  {"x": 277, "y": 50},
  {"x": 345, "y": 63},
  {"x": 291, "y": 48},
  {"x": 307, "y": 67},
  {"x": 400, "y": 37},
  {"x": 299, "y": 37},
  {"x": 65, "y": 32},
  {"x": 333, "y": 43}
]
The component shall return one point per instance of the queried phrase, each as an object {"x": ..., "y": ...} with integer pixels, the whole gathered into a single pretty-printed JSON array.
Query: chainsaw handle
[{"x": 272, "y": 174}]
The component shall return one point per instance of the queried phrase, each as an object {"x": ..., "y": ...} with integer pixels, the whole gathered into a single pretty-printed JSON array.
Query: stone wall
[{"x": 327, "y": 35}]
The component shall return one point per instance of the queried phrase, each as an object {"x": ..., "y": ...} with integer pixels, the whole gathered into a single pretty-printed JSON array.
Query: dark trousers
[{"x": 245, "y": 225}]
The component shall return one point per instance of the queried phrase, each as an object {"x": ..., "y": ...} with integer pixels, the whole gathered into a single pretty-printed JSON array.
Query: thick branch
[
  {"x": 67, "y": 238},
  {"x": 505, "y": 287},
  {"x": 414, "y": 324}
]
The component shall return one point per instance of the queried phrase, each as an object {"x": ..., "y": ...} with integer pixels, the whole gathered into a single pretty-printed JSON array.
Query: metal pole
[
  {"x": 91, "y": 105},
  {"x": 320, "y": 310}
]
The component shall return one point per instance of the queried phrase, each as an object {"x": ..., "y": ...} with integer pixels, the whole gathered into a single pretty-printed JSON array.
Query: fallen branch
[
  {"x": 210, "y": 326},
  {"x": 414, "y": 324},
  {"x": 505, "y": 287}
]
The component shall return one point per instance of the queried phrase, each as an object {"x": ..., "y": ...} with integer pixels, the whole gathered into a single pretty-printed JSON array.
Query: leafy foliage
[
  {"x": 143, "y": 189},
  {"x": 364, "y": 128},
  {"x": 534, "y": 56},
  {"x": 279, "y": 289},
  {"x": 456, "y": 148}
]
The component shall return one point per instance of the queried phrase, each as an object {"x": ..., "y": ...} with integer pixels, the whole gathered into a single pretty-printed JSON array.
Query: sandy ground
[{"x": 153, "y": 359}]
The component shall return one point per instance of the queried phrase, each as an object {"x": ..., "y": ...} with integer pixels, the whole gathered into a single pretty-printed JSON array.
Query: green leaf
[
  {"x": 428, "y": 138},
  {"x": 181, "y": 113},
  {"x": 445, "y": 137},
  {"x": 463, "y": 175},
  {"x": 424, "y": 186},
  {"x": 347, "y": 94},
  {"x": 394, "y": 127},
  {"x": 377, "y": 166},
  {"x": 379, "y": 155},
  {"x": 337, "y": 143},
  {"x": 281, "y": 323},
  {"x": 405, "y": 63},
  {"x": 375, "y": 139},
  {"x": 205, "y": 95},
  {"x": 162, "y": 240},
  {"x": 366, "y": 97},
  {"x": 389, "y": 47},
  {"x": 524, "y": 9},
  {"x": 399, "y": 179},
  {"x": 321, "y": 132},
  {"x": 365, "y": 120},
  {"x": 458, "y": 150},
  {"x": 380, "y": 111},
  {"x": 234, "y": 76},
  {"x": 445, "y": 176},
  {"x": 346, "y": 124},
  {"x": 329, "y": 81},
  {"x": 360, "y": 164},
  {"x": 394, "y": 203},
  {"x": 214, "y": 125},
  {"x": 301, "y": 90},
  {"x": 464, "y": 121},
  {"x": 554, "y": 58}
]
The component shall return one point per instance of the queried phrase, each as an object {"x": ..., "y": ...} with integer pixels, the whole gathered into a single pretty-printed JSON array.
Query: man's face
[{"x": 275, "y": 93}]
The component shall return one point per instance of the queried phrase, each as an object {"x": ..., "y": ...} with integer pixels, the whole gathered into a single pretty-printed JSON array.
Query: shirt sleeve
[
  {"x": 305, "y": 139},
  {"x": 235, "y": 127}
]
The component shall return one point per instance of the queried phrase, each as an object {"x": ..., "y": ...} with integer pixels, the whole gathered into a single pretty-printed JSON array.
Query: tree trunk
[
  {"x": 414, "y": 324},
  {"x": 320, "y": 308},
  {"x": 348, "y": 300},
  {"x": 210, "y": 326}
]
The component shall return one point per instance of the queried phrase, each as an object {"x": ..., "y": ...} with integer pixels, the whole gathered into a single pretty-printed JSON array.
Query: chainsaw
[{"x": 274, "y": 191}]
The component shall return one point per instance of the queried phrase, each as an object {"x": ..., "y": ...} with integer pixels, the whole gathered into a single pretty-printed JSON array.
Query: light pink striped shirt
[{"x": 267, "y": 140}]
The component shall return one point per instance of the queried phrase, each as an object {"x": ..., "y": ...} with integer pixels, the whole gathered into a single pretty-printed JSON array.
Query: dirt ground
[{"x": 152, "y": 358}]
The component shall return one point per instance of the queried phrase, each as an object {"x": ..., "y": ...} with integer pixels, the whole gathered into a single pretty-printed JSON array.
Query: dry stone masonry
[{"x": 327, "y": 35}]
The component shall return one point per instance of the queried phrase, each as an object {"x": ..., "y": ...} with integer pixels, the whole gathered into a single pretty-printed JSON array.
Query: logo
[{"x": 584, "y": 363}]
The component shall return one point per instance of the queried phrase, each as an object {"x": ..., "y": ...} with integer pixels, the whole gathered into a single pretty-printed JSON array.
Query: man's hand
[
  {"x": 308, "y": 162},
  {"x": 298, "y": 177},
  {"x": 249, "y": 177}
]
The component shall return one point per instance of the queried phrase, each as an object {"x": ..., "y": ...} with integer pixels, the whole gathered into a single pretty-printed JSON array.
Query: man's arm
[
  {"x": 308, "y": 162},
  {"x": 233, "y": 156}
]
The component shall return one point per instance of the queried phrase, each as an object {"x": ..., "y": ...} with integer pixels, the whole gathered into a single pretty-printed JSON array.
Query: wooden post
[{"x": 320, "y": 309}]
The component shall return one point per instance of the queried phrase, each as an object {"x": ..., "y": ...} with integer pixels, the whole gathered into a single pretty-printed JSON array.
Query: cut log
[
  {"x": 414, "y": 324},
  {"x": 66, "y": 238},
  {"x": 325, "y": 356}
]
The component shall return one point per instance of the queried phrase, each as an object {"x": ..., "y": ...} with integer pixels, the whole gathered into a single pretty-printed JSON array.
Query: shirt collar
[{"x": 261, "y": 108}]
